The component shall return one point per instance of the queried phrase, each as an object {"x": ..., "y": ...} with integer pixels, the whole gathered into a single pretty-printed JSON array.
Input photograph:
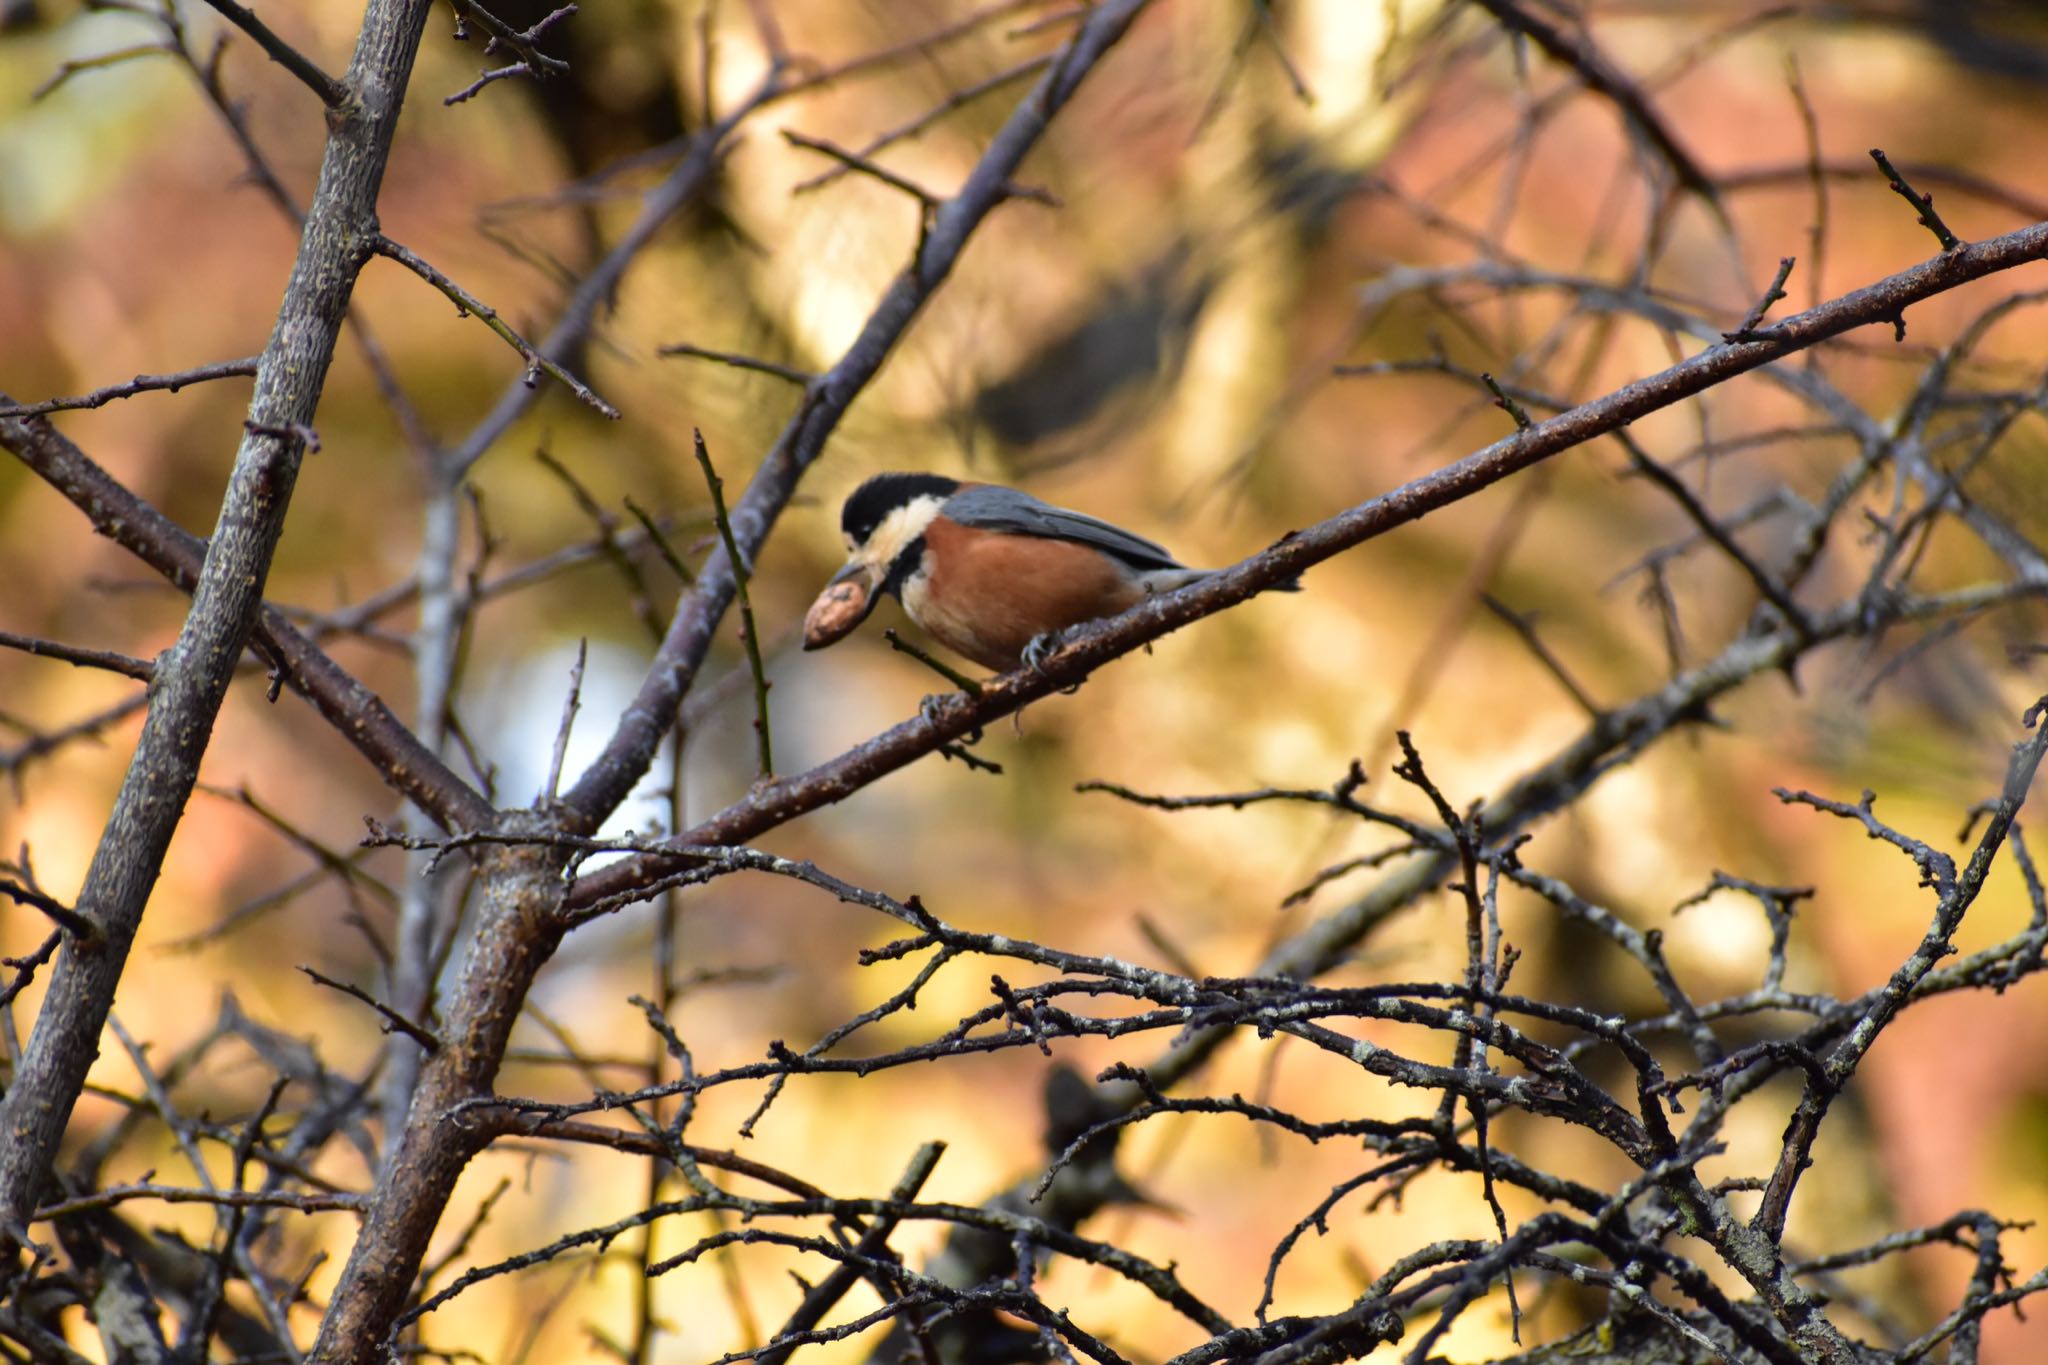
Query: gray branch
[{"x": 191, "y": 678}]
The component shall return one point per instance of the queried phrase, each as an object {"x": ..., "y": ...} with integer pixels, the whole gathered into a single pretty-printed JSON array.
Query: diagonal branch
[
  {"x": 331, "y": 91},
  {"x": 536, "y": 361},
  {"x": 355, "y": 712},
  {"x": 952, "y": 223},
  {"x": 520, "y": 922},
  {"x": 1603, "y": 76},
  {"x": 192, "y": 676},
  {"x": 1956, "y": 895},
  {"x": 660, "y": 204},
  {"x": 949, "y": 718}
]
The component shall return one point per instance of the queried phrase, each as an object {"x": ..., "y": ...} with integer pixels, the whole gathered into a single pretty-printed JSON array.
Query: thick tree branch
[
  {"x": 192, "y": 676},
  {"x": 951, "y": 717},
  {"x": 521, "y": 920}
]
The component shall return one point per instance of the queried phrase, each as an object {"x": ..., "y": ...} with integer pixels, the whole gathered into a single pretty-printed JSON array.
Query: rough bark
[
  {"x": 192, "y": 676},
  {"x": 522, "y": 922},
  {"x": 518, "y": 928}
]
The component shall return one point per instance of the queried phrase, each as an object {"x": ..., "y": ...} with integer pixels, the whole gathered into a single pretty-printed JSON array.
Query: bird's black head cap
[{"x": 871, "y": 503}]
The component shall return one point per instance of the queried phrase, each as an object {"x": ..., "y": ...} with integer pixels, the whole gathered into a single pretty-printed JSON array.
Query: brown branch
[
  {"x": 487, "y": 77},
  {"x": 519, "y": 924},
  {"x": 947, "y": 719},
  {"x": 822, "y": 1297},
  {"x": 854, "y": 161},
  {"x": 1773, "y": 591},
  {"x": 502, "y": 36},
  {"x": 1955, "y": 891},
  {"x": 516, "y": 40},
  {"x": 1923, "y": 204},
  {"x": 63, "y": 916},
  {"x": 903, "y": 645},
  {"x": 1927, "y": 173},
  {"x": 234, "y": 114},
  {"x": 141, "y": 383},
  {"x": 1525, "y": 627},
  {"x": 925, "y": 120},
  {"x": 1747, "y": 327},
  {"x": 193, "y": 675},
  {"x": 693, "y": 170},
  {"x": 800, "y": 378},
  {"x": 1609, "y": 80},
  {"x": 41, "y": 744},
  {"x": 466, "y": 302},
  {"x": 99, "y": 61},
  {"x": 356, "y": 713},
  {"x": 1503, "y": 400},
  {"x": 225, "y": 1199},
  {"x": 633, "y": 745},
  {"x": 331, "y": 91},
  {"x": 920, "y": 46},
  {"x": 749, "y": 635},
  {"x": 392, "y": 1018},
  {"x": 139, "y": 669}
]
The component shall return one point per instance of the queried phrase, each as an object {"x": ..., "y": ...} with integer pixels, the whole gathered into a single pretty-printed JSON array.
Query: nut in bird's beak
[{"x": 844, "y": 604}]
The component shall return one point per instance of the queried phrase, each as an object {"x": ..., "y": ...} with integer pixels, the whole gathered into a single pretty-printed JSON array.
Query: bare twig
[
  {"x": 466, "y": 302},
  {"x": 1923, "y": 204},
  {"x": 800, "y": 378},
  {"x": 142, "y": 383},
  {"x": 392, "y": 1018},
  {"x": 139, "y": 669},
  {"x": 1747, "y": 328},
  {"x": 764, "y": 744},
  {"x": 330, "y": 90},
  {"x": 854, "y": 161},
  {"x": 569, "y": 706}
]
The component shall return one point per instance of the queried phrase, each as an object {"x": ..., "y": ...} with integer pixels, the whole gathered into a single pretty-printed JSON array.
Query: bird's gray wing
[{"x": 990, "y": 507}]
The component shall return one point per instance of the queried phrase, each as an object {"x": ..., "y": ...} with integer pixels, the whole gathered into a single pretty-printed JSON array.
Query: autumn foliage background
[{"x": 1159, "y": 348}]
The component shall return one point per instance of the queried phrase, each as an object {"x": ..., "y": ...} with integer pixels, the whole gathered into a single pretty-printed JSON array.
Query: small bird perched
[{"x": 987, "y": 571}]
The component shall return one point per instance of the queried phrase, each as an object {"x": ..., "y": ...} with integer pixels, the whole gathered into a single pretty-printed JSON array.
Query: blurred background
[{"x": 1244, "y": 196}]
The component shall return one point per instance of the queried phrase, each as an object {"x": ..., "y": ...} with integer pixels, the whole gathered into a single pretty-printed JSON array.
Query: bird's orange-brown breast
[{"x": 987, "y": 595}]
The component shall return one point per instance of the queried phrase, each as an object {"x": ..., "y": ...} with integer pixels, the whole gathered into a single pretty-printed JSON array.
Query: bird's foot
[{"x": 1043, "y": 647}]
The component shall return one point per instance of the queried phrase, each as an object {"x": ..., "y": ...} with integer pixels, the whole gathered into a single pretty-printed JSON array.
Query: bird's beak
[{"x": 844, "y": 604}]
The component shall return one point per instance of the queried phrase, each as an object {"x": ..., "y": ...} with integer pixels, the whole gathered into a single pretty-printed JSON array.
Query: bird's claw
[{"x": 1042, "y": 647}]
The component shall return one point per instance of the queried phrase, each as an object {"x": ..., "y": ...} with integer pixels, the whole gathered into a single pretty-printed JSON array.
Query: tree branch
[
  {"x": 141, "y": 383},
  {"x": 646, "y": 720},
  {"x": 193, "y": 675},
  {"x": 355, "y": 712},
  {"x": 331, "y": 91},
  {"x": 947, "y": 719}
]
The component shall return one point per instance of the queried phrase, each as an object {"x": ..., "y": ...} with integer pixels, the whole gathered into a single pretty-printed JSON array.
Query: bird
[{"x": 990, "y": 572}]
